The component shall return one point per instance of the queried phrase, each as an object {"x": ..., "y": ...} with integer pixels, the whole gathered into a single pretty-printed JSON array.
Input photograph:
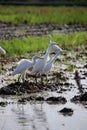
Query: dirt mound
[
  {"x": 66, "y": 111},
  {"x": 19, "y": 88},
  {"x": 56, "y": 100},
  {"x": 80, "y": 98},
  {"x": 50, "y": 100}
]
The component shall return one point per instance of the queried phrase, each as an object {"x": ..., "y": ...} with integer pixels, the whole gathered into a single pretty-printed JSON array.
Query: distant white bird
[
  {"x": 49, "y": 64},
  {"x": 23, "y": 65},
  {"x": 2, "y": 51}
]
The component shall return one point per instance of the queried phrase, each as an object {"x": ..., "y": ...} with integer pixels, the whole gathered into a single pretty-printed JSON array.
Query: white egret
[
  {"x": 23, "y": 65},
  {"x": 2, "y": 51},
  {"x": 49, "y": 64},
  {"x": 39, "y": 65}
]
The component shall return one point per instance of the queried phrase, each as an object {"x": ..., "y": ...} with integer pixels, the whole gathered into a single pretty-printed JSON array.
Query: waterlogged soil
[
  {"x": 9, "y": 30},
  {"x": 60, "y": 102}
]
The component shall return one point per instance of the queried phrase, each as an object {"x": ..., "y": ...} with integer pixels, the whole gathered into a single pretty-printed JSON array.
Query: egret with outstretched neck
[
  {"x": 49, "y": 64},
  {"x": 41, "y": 62}
]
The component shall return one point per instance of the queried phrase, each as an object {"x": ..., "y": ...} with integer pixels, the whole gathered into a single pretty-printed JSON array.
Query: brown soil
[{"x": 9, "y": 30}]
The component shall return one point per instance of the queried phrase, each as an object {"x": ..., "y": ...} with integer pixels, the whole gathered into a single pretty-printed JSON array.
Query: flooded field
[{"x": 59, "y": 103}]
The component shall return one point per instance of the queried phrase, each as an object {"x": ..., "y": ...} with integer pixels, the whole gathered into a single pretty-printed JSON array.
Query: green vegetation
[
  {"x": 58, "y": 2},
  {"x": 32, "y": 14},
  {"x": 22, "y": 46}
]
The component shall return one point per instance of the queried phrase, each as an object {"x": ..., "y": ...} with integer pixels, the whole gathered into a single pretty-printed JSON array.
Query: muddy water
[{"x": 41, "y": 115}]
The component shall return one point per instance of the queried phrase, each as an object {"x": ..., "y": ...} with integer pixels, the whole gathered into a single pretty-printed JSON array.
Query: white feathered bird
[
  {"x": 23, "y": 66},
  {"x": 39, "y": 65},
  {"x": 49, "y": 64}
]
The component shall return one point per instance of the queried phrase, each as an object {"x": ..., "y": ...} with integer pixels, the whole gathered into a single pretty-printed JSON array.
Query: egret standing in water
[
  {"x": 2, "y": 51},
  {"x": 23, "y": 66}
]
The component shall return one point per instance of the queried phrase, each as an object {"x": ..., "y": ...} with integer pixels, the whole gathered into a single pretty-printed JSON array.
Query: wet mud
[
  {"x": 80, "y": 98},
  {"x": 66, "y": 111}
]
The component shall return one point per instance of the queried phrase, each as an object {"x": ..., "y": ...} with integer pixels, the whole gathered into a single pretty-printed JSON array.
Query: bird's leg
[
  {"x": 36, "y": 79},
  {"x": 23, "y": 77},
  {"x": 19, "y": 78},
  {"x": 46, "y": 77},
  {"x": 41, "y": 79}
]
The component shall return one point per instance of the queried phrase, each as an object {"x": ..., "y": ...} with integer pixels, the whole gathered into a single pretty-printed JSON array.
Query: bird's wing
[
  {"x": 38, "y": 66},
  {"x": 47, "y": 68},
  {"x": 21, "y": 67}
]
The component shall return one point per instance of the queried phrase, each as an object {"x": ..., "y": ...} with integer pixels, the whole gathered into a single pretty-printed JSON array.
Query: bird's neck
[
  {"x": 33, "y": 61},
  {"x": 55, "y": 57},
  {"x": 47, "y": 53}
]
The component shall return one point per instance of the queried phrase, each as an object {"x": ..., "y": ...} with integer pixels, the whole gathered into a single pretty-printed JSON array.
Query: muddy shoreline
[{"x": 9, "y": 30}]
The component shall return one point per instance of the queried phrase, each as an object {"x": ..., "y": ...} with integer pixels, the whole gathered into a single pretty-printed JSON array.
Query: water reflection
[
  {"x": 42, "y": 116},
  {"x": 40, "y": 120},
  {"x": 30, "y": 117}
]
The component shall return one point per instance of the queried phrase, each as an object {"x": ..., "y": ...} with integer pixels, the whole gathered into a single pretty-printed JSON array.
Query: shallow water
[{"x": 41, "y": 115}]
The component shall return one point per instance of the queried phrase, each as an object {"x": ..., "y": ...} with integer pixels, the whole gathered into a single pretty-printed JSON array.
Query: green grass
[
  {"x": 32, "y": 14},
  {"x": 17, "y": 47}
]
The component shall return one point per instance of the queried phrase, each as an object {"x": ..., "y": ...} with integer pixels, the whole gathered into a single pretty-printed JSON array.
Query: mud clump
[
  {"x": 56, "y": 100},
  {"x": 85, "y": 66},
  {"x": 31, "y": 98},
  {"x": 19, "y": 88},
  {"x": 80, "y": 98},
  {"x": 39, "y": 98},
  {"x": 66, "y": 111},
  {"x": 3, "y": 104},
  {"x": 50, "y": 100}
]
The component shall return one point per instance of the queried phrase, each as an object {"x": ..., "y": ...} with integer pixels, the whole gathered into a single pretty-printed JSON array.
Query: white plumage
[
  {"x": 2, "y": 51},
  {"x": 41, "y": 62},
  {"x": 56, "y": 48},
  {"x": 23, "y": 65},
  {"x": 49, "y": 64}
]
